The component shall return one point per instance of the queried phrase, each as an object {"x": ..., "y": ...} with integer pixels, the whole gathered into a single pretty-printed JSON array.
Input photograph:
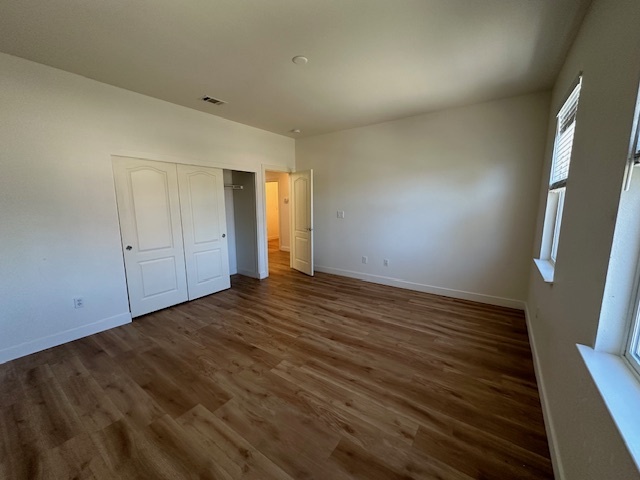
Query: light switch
[{"x": 340, "y": 213}]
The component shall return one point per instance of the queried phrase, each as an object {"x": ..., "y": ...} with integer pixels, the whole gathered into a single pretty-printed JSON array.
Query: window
[
  {"x": 632, "y": 350},
  {"x": 563, "y": 145},
  {"x": 614, "y": 360}
]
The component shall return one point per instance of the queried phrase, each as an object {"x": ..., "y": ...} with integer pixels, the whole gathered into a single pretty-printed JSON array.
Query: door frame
[{"x": 262, "y": 193}]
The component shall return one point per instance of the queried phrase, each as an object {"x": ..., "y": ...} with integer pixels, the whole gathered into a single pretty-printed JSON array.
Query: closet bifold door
[
  {"x": 150, "y": 225},
  {"x": 203, "y": 229}
]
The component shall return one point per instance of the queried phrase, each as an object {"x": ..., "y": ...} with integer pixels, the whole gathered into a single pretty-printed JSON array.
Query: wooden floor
[{"x": 289, "y": 378}]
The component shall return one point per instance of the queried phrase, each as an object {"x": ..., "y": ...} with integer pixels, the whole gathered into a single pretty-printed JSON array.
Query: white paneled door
[
  {"x": 173, "y": 227},
  {"x": 302, "y": 221},
  {"x": 149, "y": 211},
  {"x": 204, "y": 229}
]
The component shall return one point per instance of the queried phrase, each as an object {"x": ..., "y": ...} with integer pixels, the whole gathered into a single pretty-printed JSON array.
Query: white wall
[
  {"x": 449, "y": 198},
  {"x": 273, "y": 211},
  {"x": 283, "y": 200},
  {"x": 60, "y": 235},
  {"x": 607, "y": 51}
]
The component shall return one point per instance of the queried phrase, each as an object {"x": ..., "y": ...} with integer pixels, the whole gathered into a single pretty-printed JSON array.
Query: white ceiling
[{"x": 369, "y": 60}]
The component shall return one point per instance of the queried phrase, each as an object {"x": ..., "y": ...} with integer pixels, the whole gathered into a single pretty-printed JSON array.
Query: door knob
[
  {"x": 224, "y": 235},
  {"x": 129, "y": 247}
]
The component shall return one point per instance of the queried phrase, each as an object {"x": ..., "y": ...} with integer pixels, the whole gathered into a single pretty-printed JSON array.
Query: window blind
[{"x": 564, "y": 140}]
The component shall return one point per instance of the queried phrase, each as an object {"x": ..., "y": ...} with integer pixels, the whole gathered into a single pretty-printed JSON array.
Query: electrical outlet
[
  {"x": 340, "y": 213},
  {"x": 78, "y": 302},
  {"x": 385, "y": 262},
  {"x": 365, "y": 259}
]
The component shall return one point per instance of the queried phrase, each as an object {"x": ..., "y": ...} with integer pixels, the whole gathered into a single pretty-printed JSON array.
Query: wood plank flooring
[{"x": 289, "y": 378}]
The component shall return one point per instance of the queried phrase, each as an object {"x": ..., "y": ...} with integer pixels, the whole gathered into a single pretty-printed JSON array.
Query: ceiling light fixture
[
  {"x": 296, "y": 130},
  {"x": 300, "y": 60}
]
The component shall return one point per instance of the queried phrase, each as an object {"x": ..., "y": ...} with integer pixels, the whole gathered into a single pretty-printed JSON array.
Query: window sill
[
  {"x": 620, "y": 390},
  {"x": 546, "y": 269}
]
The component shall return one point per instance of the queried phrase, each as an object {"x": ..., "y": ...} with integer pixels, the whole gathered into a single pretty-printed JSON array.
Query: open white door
[
  {"x": 302, "y": 221},
  {"x": 204, "y": 229},
  {"x": 149, "y": 211}
]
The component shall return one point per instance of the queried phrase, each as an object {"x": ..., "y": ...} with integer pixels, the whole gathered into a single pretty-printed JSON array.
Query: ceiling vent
[{"x": 215, "y": 101}]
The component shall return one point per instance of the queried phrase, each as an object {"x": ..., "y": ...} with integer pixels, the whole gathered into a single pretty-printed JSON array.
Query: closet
[{"x": 173, "y": 227}]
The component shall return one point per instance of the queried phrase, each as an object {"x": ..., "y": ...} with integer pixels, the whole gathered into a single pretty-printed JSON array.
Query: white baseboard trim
[
  {"x": 56, "y": 339},
  {"x": 556, "y": 462},
  {"x": 420, "y": 287},
  {"x": 284, "y": 249}
]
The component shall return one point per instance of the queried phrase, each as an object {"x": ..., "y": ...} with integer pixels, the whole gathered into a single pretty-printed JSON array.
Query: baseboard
[
  {"x": 284, "y": 249},
  {"x": 248, "y": 273},
  {"x": 420, "y": 287},
  {"x": 556, "y": 462},
  {"x": 56, "y": 339}
]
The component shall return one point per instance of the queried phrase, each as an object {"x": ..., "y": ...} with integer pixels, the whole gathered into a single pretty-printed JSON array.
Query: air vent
[{"x": 215, "y": 101}]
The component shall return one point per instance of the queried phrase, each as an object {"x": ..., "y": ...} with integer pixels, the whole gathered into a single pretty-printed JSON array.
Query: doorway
[
  {"x": 277, "y": 219},
  {"x": 240, "y": 204}
]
